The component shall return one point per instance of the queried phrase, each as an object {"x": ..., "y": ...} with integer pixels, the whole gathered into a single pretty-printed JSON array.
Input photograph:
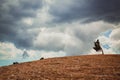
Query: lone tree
[{"x": 98, "y": 47}]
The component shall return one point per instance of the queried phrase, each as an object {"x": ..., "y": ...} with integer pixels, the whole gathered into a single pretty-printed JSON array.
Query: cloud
[
  {"x": 115, "y": 38},
  {"x": 16, "y": 16},
  {"x": 115, "y": 34},
  {"x": 50, "y": 40},
  {"x": 71, "y": 40},
  {"x": 21, "y": 22},
  {"x": 85, "y": 10},
  {"x": 8, "y": 51}
]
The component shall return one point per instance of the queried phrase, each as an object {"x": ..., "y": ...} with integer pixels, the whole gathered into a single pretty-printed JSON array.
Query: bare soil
[{"x": 85, "y": 67}]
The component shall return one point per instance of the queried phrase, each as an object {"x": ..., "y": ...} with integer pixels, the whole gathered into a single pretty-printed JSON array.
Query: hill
[{"x": 85, "y": 67}]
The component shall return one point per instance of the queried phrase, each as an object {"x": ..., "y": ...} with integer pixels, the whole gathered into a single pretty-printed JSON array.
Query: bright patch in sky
[
  {"x": 106, "y": 46},
  {"x": 107, "y": 33},
  {"x": 28, "y": 21}
]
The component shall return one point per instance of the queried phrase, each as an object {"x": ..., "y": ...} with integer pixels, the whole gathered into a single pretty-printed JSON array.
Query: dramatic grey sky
[{"x": 54, "y": 28}]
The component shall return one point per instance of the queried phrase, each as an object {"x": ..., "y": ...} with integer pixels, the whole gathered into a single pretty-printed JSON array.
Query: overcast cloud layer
[
  {"x": 86, "y": 11},
  {"x": 53, "y": 28}
]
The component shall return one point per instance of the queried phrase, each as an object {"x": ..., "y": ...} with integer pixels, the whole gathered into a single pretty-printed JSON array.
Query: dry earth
[{"x": 86, "y": 67}]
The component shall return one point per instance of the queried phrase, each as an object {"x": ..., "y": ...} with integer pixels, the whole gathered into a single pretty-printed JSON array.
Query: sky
[{"x": 56, "y": 28}]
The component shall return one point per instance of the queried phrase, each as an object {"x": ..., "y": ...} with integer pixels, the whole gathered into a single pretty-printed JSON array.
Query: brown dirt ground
[{"x": 85, "y": 67}]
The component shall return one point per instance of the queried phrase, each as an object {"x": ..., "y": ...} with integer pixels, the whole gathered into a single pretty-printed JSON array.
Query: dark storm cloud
[
  {"x": 11, "y": 14},
  {"x": 86, "y": 10}
]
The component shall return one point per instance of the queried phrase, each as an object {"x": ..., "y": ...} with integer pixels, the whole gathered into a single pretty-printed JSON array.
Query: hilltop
[{"x": 84, "y": 67}]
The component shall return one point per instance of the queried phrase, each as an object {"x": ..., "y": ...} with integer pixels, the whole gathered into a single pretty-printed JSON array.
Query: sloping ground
[{"x": 89, "y": 67}]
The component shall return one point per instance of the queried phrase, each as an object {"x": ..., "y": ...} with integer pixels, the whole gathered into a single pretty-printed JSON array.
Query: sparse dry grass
[{"x": 89, "y": 67}]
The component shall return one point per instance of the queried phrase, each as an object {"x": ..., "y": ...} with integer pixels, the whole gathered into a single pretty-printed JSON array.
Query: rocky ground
[{"x": 85, "y": 67}]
